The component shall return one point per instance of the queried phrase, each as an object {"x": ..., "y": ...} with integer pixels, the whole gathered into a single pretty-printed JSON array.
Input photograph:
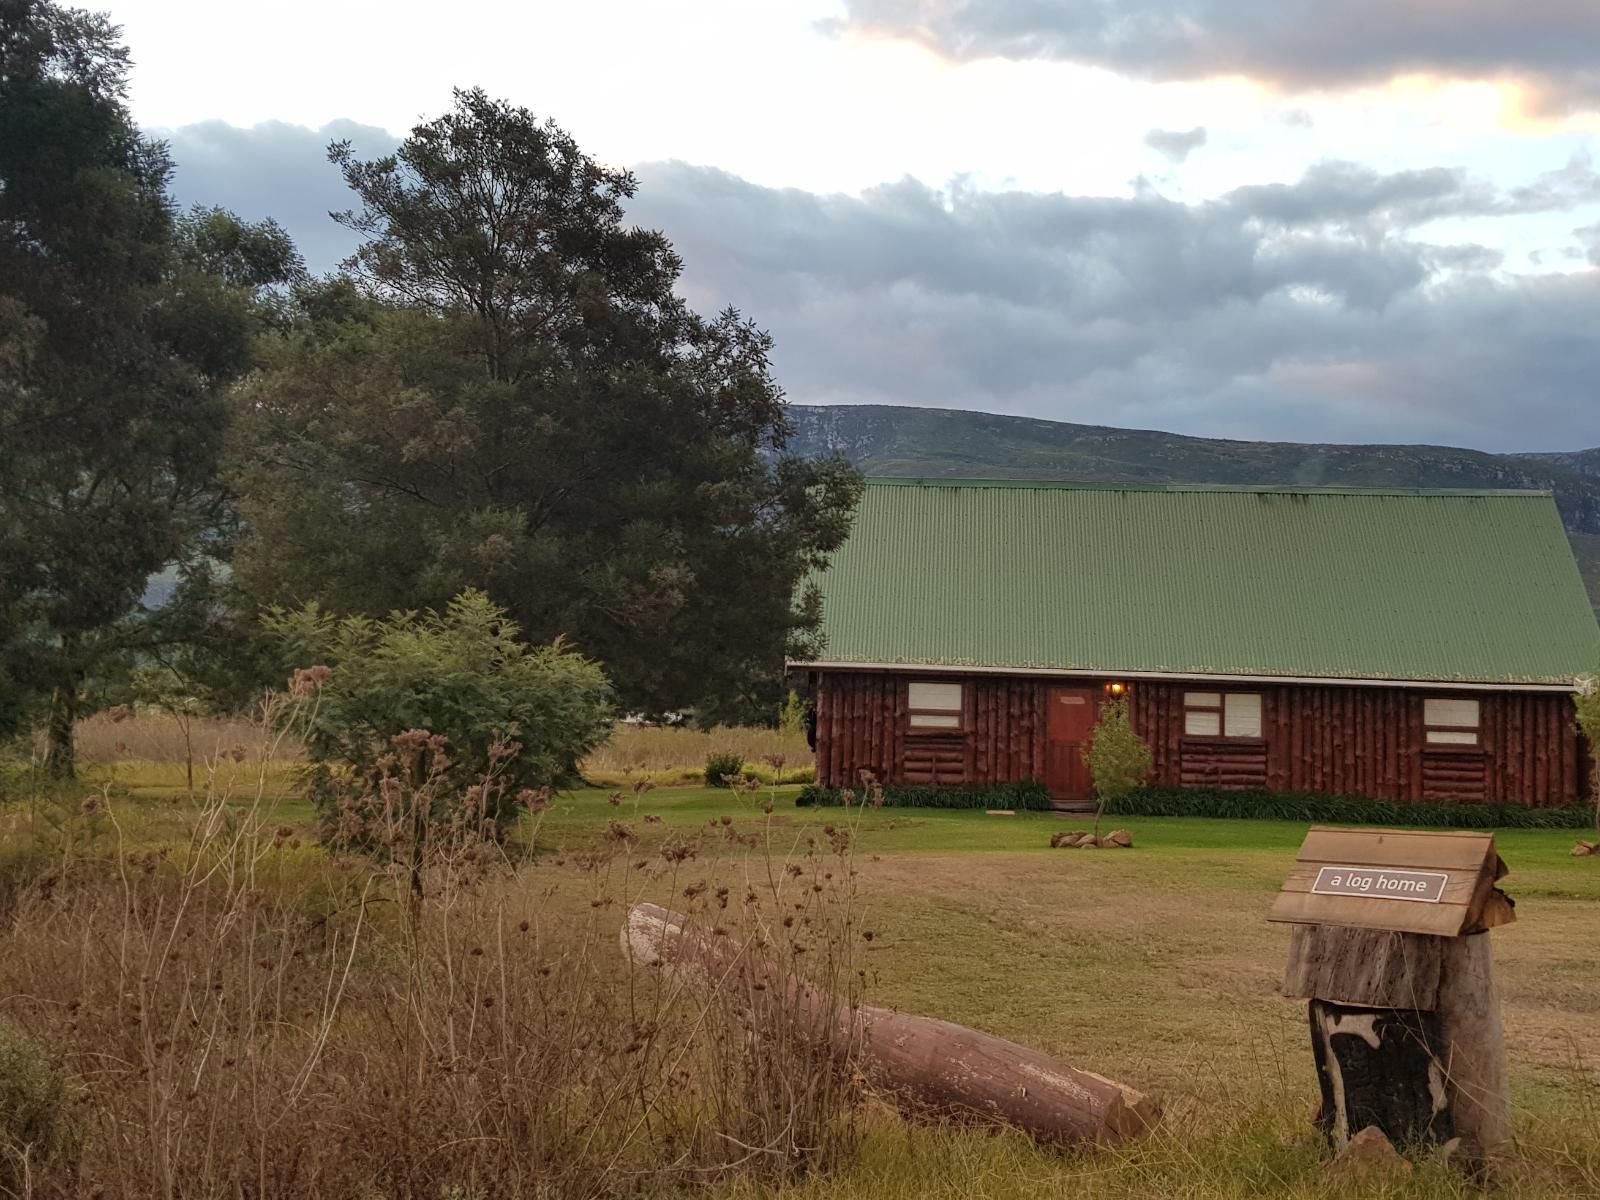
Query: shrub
[
  {"x": 1587, "y": 703},
  {"x": 1028, "y": 795},
  {"x": 1342, "y": 810},
  {"x": 489, "y": 705},
  {"x": 32, "y": 1107},
  {"x": 1118, "y": 758},
  {"x": 719, "y": 765}
]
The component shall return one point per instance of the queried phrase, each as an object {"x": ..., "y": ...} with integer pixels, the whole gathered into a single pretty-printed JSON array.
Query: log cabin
[{"x": 1409, "y": 645}]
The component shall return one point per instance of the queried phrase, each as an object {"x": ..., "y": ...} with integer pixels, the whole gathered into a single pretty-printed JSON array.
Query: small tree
[
  {"x": 792, "y": 716},
  {"x": 178, "y": 697},
  {"x": 1587, "y": 702},
  {"x": 1118, "y": 758},
  {"x": 453, "y": 707}
]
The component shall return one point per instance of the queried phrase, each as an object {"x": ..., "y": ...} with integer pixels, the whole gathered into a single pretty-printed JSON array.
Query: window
[
  {"x": 1215, "y": 714},
  {"x": 1451, "y": 722},
  {"x": 1202, "y": 714},
  {"x": 935, "y": 705}
]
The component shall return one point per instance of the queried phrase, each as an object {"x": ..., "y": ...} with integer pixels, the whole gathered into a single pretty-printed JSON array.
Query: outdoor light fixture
[{"x": 1116, "y": 688}]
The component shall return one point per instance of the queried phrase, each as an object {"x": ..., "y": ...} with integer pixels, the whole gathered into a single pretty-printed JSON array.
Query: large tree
[
  {"x": 506, "y": 393},
  {"x": 120, "y": 324}
]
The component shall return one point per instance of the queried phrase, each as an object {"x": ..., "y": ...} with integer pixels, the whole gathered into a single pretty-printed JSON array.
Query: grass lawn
[{"x": 1156, "y": 965}]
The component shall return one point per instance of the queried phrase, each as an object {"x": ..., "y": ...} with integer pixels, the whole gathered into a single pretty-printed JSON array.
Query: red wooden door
[{"x": 1073, "y": 711}]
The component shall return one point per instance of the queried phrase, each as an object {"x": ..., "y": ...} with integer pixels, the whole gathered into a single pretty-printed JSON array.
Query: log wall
[
  {"x": 1366, "y": 741},
  {"x": 1360, "y": 741},
  {"x": 862, "y": 725}
]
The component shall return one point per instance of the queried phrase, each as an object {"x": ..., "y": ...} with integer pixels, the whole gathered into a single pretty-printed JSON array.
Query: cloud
[
  {"x": 1589, "y": 236},
  {"x": 1310, "y": 311},
  {"x": 1320, "y": 309},
  {"x": 1299, "y": 44},
  {"x": 275, "y": 170},
  {"x": 1350, "y": 193},
  {"x": 1176, "y": 144}
]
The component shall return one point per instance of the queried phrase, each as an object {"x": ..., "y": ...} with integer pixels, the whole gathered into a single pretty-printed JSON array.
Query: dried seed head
[{"x": 308, "y": 681}]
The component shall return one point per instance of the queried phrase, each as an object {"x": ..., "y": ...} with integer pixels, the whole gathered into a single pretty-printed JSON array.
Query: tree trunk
[
  {"x": 924, "y": 1064},
  {"x": 60, "y": 750},
  {"x": 188, "y": 755}
]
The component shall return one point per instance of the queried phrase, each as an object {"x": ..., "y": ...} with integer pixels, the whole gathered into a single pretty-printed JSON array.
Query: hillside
[{"x": 890, "y": 441}]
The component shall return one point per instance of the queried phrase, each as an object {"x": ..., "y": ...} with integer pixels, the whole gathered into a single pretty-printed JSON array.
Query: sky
[{"x": 1266, "y": 219}]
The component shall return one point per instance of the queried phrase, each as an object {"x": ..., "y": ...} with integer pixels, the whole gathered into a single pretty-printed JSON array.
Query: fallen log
[{"x": 922, "y": 1064}]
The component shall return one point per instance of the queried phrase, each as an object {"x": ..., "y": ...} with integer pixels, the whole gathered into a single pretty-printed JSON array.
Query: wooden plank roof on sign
[{"x": 1398, "y": 880}]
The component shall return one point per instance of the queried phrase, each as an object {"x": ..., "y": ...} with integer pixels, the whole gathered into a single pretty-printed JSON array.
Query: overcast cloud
[
  {"x": 1324, "y": 309},
  {"x": 275, "y": 170},
  {"x": 1549, "y": 45},
  {"x": 1176, "y": 144}
]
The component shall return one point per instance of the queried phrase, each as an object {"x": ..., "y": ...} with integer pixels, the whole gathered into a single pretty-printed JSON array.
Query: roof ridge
[{"x": 1094, "y": 485}]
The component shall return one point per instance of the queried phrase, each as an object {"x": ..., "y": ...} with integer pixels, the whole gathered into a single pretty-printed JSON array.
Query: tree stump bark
[{"x": 1474, "y": 1043}]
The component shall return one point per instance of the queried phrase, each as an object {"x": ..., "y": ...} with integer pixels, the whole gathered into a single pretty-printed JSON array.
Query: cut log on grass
[
  {"x": 1068, "y": 839},
  {"x": 924, "y": 1065}
]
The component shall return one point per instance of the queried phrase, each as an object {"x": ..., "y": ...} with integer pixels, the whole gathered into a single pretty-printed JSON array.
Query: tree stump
[{"x": 1405, "y": 1030}]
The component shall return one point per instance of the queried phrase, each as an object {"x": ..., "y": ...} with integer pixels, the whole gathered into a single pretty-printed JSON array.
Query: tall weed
[{"x": 240, "y": 1013}]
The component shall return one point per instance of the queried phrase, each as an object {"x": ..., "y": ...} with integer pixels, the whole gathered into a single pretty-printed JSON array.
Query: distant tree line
[{"x": 501, "y": 391}]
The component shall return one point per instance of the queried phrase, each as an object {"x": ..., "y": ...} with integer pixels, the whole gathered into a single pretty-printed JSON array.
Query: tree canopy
[
  {"x": 508, "y": 394},
  {"x": 120, "y": 325}
]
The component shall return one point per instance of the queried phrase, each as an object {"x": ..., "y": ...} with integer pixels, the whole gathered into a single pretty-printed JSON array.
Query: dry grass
[
  {"x": 237, "y": 1014},
  {"x": 678, "y": 755},
  {"x": 365, "y": 1060},
  {"x": 106, "y": 738},
  {"x": 148, "y": 749}
]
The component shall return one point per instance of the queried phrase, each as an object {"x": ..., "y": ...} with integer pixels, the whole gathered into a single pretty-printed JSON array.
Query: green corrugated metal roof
[{"x": 1312, "y": 582}]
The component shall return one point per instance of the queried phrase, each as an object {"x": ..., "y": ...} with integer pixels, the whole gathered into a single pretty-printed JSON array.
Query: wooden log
[
  {"x": 923, "y": 1064},
  {"x": 1381, "y": 1067}
]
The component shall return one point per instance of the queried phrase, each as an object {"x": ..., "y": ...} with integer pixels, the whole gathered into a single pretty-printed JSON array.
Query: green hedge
[
  {"x": 1028, "y": 795},
  {"x": 1343, "y": 810}
]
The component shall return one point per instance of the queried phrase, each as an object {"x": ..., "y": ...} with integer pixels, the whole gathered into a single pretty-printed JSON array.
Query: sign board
[
  {"x": 1397, "y": 880},
  {"x": 1425, "y": 887}
]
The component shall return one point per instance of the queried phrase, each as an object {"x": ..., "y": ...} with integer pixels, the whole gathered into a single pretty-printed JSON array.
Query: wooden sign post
[{"x": 1390, "y": 948}]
